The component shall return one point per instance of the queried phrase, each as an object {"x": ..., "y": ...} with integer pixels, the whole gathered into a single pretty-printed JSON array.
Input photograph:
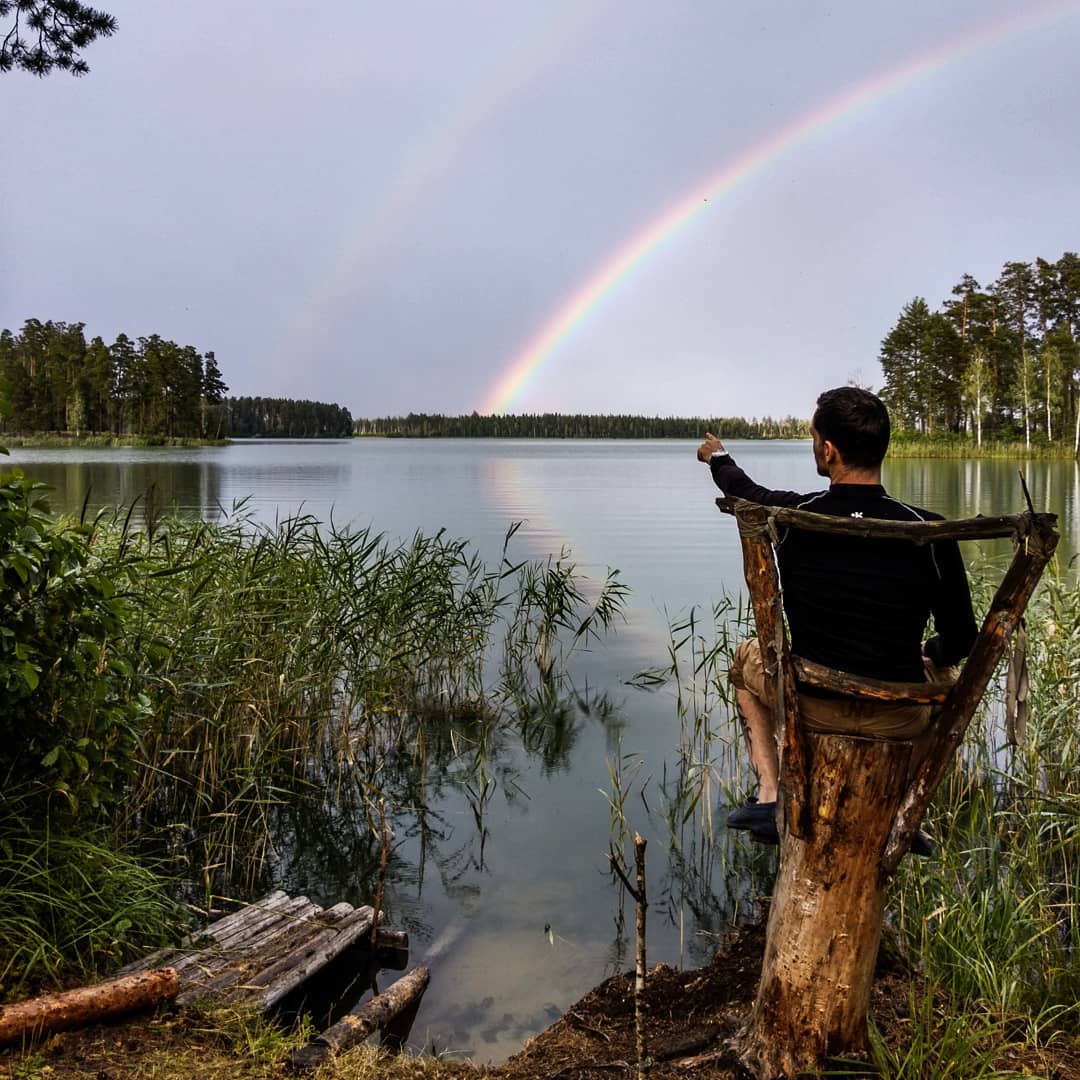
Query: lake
[{"x": 507, "y": 888}]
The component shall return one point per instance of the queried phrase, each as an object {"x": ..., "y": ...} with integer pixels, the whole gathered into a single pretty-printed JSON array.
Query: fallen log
[
  {"x": 87, "y": 1004},
  {"x": 354, "y": 1027}
]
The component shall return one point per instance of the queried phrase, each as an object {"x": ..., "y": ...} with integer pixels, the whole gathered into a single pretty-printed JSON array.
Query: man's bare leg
[{"x": 758, "y": 728}]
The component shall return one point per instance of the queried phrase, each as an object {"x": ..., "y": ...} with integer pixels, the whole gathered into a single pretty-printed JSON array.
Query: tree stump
[
  {"x": 827, "y": 909},
  {"x": 849, "y": 806}
]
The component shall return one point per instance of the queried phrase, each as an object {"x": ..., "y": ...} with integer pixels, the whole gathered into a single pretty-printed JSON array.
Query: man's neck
[{"x": 853, "y": 474}]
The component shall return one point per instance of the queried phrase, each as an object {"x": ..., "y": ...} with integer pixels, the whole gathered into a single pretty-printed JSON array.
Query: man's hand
[{"x": 711, "y": 445}]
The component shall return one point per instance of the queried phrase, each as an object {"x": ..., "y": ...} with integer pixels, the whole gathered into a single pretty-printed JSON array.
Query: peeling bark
[{"x": 87, "y": 1004}]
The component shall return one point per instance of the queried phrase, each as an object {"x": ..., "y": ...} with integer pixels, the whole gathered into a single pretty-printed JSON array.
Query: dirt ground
[{"x": 690, "y": 1015}]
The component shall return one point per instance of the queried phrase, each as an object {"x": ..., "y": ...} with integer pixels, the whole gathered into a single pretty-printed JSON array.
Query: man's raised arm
[{"x": 731, "y": 480}]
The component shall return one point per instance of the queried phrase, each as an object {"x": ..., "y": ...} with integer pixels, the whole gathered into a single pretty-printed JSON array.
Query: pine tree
[{"x": 47, "y": 34}]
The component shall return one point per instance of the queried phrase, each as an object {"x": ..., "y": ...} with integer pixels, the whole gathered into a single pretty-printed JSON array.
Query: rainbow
[
  {"x": 585, "y": 299},
  {"x": 373, "y": 234}
]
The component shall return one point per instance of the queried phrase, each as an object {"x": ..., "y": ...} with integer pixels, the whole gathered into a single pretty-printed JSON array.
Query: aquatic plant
[{"x": 301, "y": 659}]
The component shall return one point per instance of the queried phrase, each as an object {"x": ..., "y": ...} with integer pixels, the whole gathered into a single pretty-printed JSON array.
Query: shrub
[{"x": 71, "y": 720}]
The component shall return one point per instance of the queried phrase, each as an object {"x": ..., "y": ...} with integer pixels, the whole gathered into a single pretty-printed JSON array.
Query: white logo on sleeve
[{"x": 856, "y": 513}]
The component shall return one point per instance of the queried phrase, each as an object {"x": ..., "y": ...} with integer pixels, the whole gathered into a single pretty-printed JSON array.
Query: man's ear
[{"x": 830, "y": 454}]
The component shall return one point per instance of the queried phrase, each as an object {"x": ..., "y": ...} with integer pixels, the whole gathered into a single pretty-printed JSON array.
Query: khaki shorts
[{"x": 851, "y": 716}]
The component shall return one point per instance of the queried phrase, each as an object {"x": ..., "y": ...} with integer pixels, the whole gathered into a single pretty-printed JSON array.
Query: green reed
[
  {"x": 302, "y": 658},
  {"x": 72, "y": 902},
  {"x": 997, "y": 917},
  {"x": 948, "y": 445}
]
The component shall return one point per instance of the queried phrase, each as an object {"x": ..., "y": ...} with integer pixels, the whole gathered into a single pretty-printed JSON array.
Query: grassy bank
[
  {"x": 69, "y": 440},
  {"x": 908, "y": 445}
]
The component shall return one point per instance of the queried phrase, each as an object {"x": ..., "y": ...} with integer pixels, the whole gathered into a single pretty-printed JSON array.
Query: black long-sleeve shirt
[{"x": 862, "y": 605}]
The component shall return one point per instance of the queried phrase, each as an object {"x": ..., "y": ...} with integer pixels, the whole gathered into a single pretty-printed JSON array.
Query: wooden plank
[
  {"x": 860, "y": 686},
  {"x": 355, "y": 1026},
  {"x": 219, "y": 927},
  {"x": 283, "y": 978},
  {"x": 279, "y": 941},
  {"x": 268, "y": 924},
  {"x": 214, "y": 931},
  {"x": 218, "y": 956}
]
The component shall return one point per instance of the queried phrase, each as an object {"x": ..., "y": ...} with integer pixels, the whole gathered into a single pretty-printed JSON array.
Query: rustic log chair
[{"x": 848, "y": 807}]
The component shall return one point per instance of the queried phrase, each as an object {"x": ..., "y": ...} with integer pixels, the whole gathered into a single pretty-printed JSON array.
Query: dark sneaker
[
  {"x": 922, "y": 845},
  {"x": 757, "y": 817},
  {"x": 768, "y": 834}
]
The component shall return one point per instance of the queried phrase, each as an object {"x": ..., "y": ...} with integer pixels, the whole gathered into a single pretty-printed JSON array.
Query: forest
[
  {"x": 1000, "y": 362},
  {"x": 580, "y": 426},
  {"x": 147, "y": 387},
  {"x": 284, "y": 418}
]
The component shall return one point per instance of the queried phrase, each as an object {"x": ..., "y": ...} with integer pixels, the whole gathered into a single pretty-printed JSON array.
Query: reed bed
[
  {"x": 947, "y": 445},
  {"x": 303, "y": 659},
  {"x": 288, "y": 678},
  {"x": 997, "y": 918}
]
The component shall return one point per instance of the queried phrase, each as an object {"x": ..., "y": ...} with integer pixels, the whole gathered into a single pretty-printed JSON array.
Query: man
[{"x": 853, "y": 604}]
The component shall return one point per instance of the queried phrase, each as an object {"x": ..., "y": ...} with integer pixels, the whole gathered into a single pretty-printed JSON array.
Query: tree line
[
  {"x": 580, "y": 426},
  {"x": 250, "y": 417},
  {"x": 57, "y": 381},
  {"x": 1000, "y": 361}
]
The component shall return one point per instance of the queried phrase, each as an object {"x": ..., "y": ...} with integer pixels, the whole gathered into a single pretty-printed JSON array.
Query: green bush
[{"x": 71, "y": 718}]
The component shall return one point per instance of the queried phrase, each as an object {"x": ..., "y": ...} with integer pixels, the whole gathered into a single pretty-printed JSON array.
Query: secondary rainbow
[{"x": 584, "y": 300}]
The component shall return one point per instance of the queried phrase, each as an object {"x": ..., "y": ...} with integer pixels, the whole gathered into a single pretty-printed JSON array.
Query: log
[
  {"x": 366, "y": 1018},
  {"x": 1015, "y": 526},
  {"x": 860, "y": 686},
  {"x": 763, "y": 582},
  {"x": 87, "y": 1004}
]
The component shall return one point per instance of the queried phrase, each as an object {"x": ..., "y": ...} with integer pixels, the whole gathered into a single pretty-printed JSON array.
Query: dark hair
[{"x": 856, "y": 423}]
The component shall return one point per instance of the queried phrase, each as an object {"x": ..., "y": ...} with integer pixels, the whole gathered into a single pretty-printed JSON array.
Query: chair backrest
[{"x": 1035, "y": 537}]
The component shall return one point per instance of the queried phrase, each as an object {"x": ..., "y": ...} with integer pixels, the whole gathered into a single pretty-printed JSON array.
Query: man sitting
[{"x": 853, "y": 604}]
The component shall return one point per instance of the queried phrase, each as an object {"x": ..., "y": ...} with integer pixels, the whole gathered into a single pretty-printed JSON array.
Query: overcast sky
[{"x": 383, "y": 205}]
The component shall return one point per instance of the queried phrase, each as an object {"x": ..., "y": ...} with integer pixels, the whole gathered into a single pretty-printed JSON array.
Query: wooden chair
[{"x": 849, "y": 806}]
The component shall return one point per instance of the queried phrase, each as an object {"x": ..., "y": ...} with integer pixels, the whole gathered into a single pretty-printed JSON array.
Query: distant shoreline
[
  {"x": 903, "y": 445},
  {"x": 63, "y": 440}
]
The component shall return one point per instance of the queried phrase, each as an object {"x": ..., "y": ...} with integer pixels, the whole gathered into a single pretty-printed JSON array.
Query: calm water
[{"x": 486, "y": 874}]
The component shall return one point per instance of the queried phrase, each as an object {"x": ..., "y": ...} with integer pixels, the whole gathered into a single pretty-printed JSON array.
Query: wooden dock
[
  {"x": 265, "y": 950},
  {"x": 267, "y": 954}
]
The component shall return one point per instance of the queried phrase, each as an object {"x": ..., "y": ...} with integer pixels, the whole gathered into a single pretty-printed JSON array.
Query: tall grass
[
  {"x": 948, "y": 445},
  {"x": 302, "y": 658},
  {"x": 997, "y": 917},
  {"x": 72, "y": 902}
]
